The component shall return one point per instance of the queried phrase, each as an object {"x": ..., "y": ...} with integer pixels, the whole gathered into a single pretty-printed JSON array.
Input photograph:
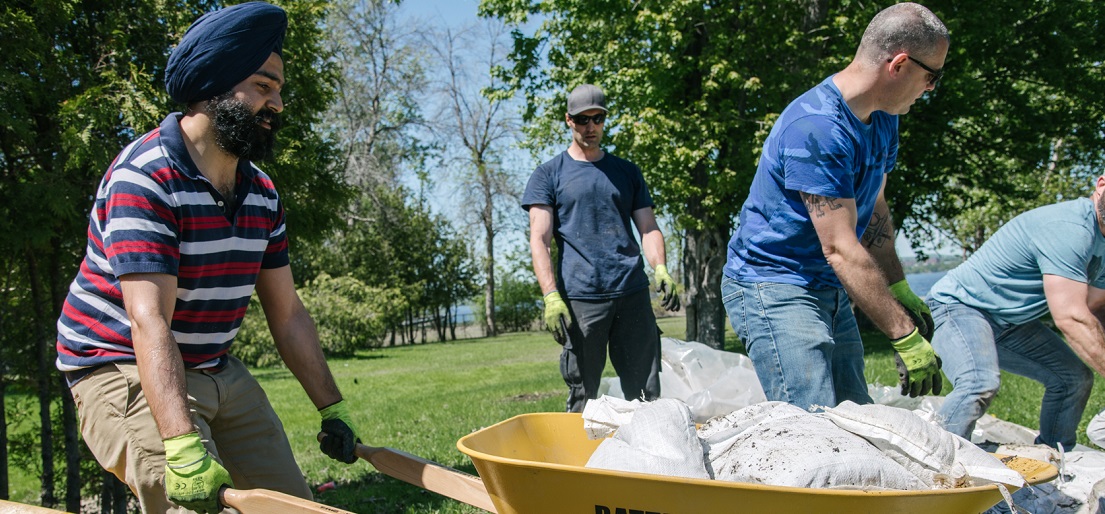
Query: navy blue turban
[{"x": 223, "y": 48}]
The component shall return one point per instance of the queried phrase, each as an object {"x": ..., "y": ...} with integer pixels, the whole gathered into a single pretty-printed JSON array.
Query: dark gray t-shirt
[{"x": 593, "y": 204}]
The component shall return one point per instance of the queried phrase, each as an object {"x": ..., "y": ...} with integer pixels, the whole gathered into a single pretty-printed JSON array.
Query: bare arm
[
  {"x": 540, "y": 246},
  {"x": 295, "y": 335},
  {"x": 150, "y": 299},
  {"x": 834, "y": 219},
  {"x": 652, "y": 240},
  {"x": 878, "y": 238},
  {"x": 1069, "y": 302}
]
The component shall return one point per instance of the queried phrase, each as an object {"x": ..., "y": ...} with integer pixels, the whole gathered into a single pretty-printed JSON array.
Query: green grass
[{"x": 421, "y": 399}]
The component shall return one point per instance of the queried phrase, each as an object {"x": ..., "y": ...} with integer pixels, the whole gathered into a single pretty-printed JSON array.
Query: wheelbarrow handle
[
  {"x": 427, "y": 474},
  {"x": 251, "y": 501}
]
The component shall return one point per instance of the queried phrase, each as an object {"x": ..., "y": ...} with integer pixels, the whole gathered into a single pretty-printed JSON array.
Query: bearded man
[{"x": 183, "y": 230}]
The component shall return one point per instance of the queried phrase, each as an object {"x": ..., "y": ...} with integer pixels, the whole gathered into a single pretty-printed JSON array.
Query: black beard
[{"x": 238, "y": 129}]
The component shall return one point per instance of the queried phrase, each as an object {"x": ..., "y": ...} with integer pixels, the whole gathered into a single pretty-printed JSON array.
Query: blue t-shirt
[
  {"x": 819, "y": 147},
  {"x": 1005, "y": 277},
  {"x": 593, "y": 205}
]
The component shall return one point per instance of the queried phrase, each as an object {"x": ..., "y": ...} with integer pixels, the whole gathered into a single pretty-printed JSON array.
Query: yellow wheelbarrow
[{"x": 534, "y": 464}]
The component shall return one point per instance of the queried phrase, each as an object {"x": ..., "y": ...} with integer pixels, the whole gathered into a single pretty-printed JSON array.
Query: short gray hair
[{"x": 905, "y": 27}]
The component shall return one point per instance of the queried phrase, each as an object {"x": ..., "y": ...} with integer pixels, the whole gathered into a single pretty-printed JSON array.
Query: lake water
[
  {"x": 919, "y": 282},
  {"x": 922, "y": 282}
]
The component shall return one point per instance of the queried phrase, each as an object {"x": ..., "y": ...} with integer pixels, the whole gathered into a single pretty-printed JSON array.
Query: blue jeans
[
  {"x": 975, "y": 347},
  {"x": 804, "y": 343}
]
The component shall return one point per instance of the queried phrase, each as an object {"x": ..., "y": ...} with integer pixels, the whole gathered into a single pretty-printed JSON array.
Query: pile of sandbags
[{"x": 871, "y": 447}]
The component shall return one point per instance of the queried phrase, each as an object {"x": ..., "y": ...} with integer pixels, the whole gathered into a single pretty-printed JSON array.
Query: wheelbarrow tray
[{"x": 535, "y": 464}]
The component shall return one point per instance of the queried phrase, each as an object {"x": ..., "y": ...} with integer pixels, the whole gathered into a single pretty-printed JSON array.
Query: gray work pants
[{"x": 628, "y": 328}]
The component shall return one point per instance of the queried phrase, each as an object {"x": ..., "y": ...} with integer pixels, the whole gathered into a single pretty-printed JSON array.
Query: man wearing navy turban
[{"x": 184, "y": 229}]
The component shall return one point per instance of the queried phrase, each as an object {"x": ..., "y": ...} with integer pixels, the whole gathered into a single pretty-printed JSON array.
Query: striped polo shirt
[{"x": 156, "y": 213}]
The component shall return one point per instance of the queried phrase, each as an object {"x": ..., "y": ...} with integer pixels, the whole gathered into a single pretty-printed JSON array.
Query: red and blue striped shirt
[{"x": 155, "y": 212}]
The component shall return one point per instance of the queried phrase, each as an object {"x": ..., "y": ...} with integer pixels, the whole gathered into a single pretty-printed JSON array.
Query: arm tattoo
[
  {"x": 878, "y": 231},
  {"x": 816, "y": 204}
]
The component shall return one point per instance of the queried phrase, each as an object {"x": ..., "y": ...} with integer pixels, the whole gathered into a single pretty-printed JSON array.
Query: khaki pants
[{"x": 229, "y": 409}]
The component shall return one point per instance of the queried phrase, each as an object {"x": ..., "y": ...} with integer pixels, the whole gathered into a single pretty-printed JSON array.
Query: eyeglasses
[
  {"x": 583, "y": 119},
  {"x": 936, "y": 75}
]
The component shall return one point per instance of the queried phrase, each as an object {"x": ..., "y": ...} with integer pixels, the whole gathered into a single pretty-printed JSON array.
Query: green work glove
[
  {"x": 556, "y": 317},
  {"x": 338, "y": 439},
  {"x": 918, "y": 365},
  {"x": 192, "y": 477},
  {"x": 914, "y": 306},
  {"x": 665, "y": 287}
]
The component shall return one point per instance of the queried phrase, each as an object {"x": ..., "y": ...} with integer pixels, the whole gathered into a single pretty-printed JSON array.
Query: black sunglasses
[
  {"x": 936, "y": 75},
  {"x": 583, "y": 119}
]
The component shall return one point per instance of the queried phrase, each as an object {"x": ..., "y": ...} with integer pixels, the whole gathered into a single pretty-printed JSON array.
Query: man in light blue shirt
[{"x": 987, "y": 315}]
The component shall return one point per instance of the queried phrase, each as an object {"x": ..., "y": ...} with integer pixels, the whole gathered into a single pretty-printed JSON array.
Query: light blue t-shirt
[
  {"x": 1005, "y": 277},
  {"x": 818, "y": 147}
]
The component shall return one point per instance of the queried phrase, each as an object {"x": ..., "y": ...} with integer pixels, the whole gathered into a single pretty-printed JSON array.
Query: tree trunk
[
  {"x": 113, "y": 495},
  {"x": 703, "y": 259},
  {"x": 46, "y": 429},
  {"x": 72, "y": 449},
  {"x": 422, "y": 327},
  {"x": 490, "y": 328},
  {"x": 4, "y": 486},
  {"x": 410, "y": 326},
  {"x": 107, "y": 492},
  {"x": 122, "y": 495},
  {"x": 452, "y": 323}
]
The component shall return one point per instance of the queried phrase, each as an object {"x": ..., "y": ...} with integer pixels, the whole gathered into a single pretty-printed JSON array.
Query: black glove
[{"x": 338, "y": 442}]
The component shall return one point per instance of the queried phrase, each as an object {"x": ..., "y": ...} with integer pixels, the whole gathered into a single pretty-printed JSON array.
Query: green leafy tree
[
  {"x": 693, "y": 87},
  {"x": 1016, "y": 123},
  {"x": 80, "y": 80}
]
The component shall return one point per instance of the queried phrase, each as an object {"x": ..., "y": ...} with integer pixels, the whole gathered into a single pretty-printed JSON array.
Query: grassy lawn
[{"x": 422, "y": 399}]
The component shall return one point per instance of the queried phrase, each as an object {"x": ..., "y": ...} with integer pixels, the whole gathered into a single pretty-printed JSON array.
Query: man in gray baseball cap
[
  {"x": 584, "y": 98},
  {"x": 597, "y": 296}
]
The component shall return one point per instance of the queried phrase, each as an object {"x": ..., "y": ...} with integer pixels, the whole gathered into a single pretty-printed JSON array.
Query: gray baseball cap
[{"x": 584, "y": 97}]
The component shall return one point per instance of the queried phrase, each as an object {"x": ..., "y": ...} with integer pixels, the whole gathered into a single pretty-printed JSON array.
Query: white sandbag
[
  {"x": 937, "y": 457},
  {"x": 776, "y": 443},
  {"x": 1095, "y": 430},
  {"x": 1096, "y": 500},
  {"x": 603, "y": 415},
  {"x": 711, "y": 382},
  {"x": 987, "y": 429},
  {"x": 660, "y": 439}
]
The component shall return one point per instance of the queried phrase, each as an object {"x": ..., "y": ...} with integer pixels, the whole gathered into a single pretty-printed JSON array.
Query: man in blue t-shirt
[
  {"x": 586, "y": 198},
  {"x": 987, "y": 314},
  {"x": 815, "y": 232}
]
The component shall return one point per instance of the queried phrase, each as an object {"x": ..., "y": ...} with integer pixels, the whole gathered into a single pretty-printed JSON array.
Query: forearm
[
  {"x": 652, "y": 244},
  {"x": 878, "y": 239},
  {"x": 1086, "y": 337},
  {"x": 542, "y": 265},
  {"x": 161, "y": 372},
  {"x": 863, "y": 279},
  {"x": 297, "y": 342}
]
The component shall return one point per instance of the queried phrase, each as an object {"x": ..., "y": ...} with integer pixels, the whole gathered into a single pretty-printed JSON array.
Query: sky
[{"x": 455, "y": 12}]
